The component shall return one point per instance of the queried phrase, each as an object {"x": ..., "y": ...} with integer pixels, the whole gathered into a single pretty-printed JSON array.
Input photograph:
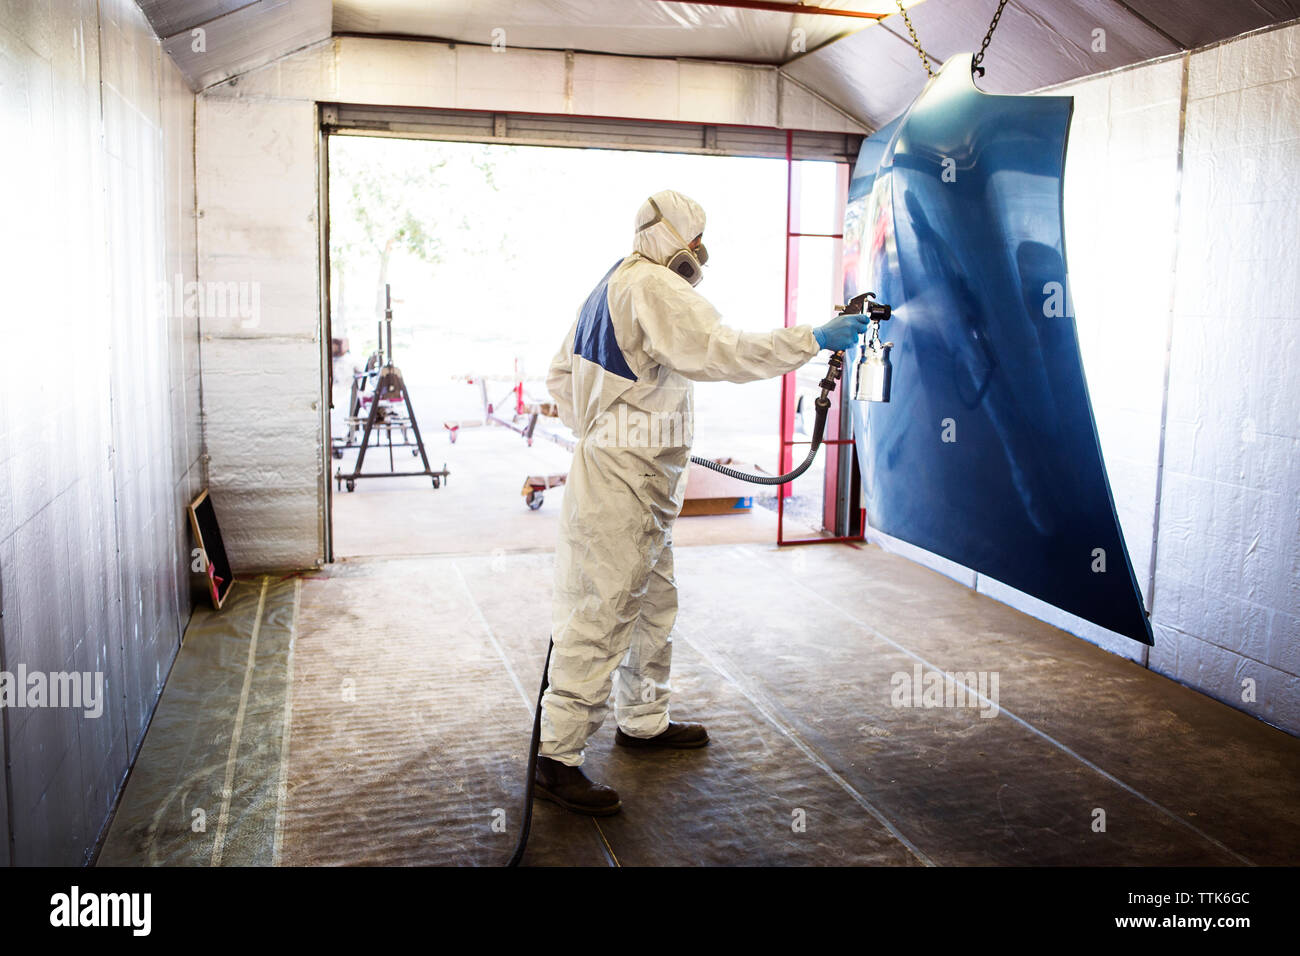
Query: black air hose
[{"x": 819, "y": 426}]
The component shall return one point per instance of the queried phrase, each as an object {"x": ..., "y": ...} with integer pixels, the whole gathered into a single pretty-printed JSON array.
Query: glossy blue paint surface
[{"x": 987, "y": 453}]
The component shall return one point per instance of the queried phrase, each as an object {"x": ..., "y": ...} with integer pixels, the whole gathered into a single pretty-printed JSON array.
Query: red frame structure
[{"x": 832, "y": 441}]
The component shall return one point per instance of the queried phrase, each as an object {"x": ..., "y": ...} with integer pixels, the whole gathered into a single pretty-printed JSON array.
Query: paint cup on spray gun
[{"x": 871, "y": 379}]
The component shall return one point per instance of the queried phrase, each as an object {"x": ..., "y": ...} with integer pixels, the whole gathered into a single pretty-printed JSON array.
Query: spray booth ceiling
[{"x": 865, "y": 67}]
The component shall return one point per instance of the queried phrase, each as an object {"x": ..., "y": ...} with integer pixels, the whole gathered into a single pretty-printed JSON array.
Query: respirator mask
[{"x": 686, "y": 262}]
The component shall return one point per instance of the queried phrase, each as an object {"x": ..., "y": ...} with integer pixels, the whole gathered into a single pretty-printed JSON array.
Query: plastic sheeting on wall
[
  {"x": 100, "y": 450},
  {"x": 987, "y": 454}
]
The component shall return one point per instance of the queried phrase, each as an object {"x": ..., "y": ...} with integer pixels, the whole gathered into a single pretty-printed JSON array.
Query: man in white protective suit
[{"x": 622, "y": 381}]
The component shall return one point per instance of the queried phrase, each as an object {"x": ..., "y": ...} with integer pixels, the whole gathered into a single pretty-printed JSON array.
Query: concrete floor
[
  {"x": 480, "y": 509},
  {"x": 377, "y": 712}
]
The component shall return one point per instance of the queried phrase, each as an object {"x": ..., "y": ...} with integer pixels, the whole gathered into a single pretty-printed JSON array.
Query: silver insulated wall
[{"x": 99, "y": 406}]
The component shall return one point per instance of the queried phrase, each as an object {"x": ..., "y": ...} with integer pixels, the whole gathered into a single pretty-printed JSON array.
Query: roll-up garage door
[{"x": 527, "y": 129}]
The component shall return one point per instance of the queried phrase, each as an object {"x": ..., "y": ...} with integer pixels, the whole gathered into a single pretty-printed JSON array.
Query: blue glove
[{"x": 841, "y": 332}]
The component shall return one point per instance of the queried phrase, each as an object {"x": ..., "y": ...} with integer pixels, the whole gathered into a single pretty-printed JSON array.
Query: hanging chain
[
  {"x": 988, "y": 37},
  {"x": 975, "y": 62},
  {"x": 925, "y": 60}
]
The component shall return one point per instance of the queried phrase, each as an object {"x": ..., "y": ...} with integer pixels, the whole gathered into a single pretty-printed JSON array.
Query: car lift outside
[{"x": 389, "y": 391}]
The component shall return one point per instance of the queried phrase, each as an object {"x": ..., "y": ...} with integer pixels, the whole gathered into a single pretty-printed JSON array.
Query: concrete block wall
[
  {"x": 1227, "y": 588},
  {"x": 257, "y": 200},
  {"x": 99, "y": 417},
  {"x": 1122, "y": 168}
]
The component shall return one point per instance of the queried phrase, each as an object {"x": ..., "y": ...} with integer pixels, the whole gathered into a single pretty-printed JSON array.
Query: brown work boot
[
  {"x": 677, "y": 736},
  {"x": 571, "y": 789}
]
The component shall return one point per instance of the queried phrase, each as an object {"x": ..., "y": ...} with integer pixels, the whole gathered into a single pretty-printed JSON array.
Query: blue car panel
[{"x": 987, "y": 453}]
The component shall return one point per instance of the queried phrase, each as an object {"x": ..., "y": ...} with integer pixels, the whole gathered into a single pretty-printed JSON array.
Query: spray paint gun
[
  {"x": 872, "y": 377},
  {"x": 872, "y": 385}
]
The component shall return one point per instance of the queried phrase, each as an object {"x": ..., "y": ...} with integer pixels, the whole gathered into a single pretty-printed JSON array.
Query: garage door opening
[{"x": 485, "y": 253}]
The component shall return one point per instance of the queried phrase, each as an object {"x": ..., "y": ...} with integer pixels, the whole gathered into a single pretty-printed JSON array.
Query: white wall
[
  {"x": 1193, "y": 275},
  {"x": 99, "y": 428},
  {"x": 257, "y": 167},
  {"x": 1227, "y": 594}
]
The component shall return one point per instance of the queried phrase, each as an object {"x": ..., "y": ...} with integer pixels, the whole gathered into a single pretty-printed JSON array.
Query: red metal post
[
  {"x": 832, "y": 441},
  {"x": 789, "y": 384},
  {"x": 789, "y": 389},
  {"x": 831, "y": 476}
]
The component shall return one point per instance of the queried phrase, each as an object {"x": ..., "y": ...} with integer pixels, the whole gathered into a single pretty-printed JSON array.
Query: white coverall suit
[{"x": 622, "y": 382}]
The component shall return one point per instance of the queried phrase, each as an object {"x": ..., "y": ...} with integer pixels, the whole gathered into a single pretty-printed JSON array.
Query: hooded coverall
[{"x": 622, "y": 381}]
